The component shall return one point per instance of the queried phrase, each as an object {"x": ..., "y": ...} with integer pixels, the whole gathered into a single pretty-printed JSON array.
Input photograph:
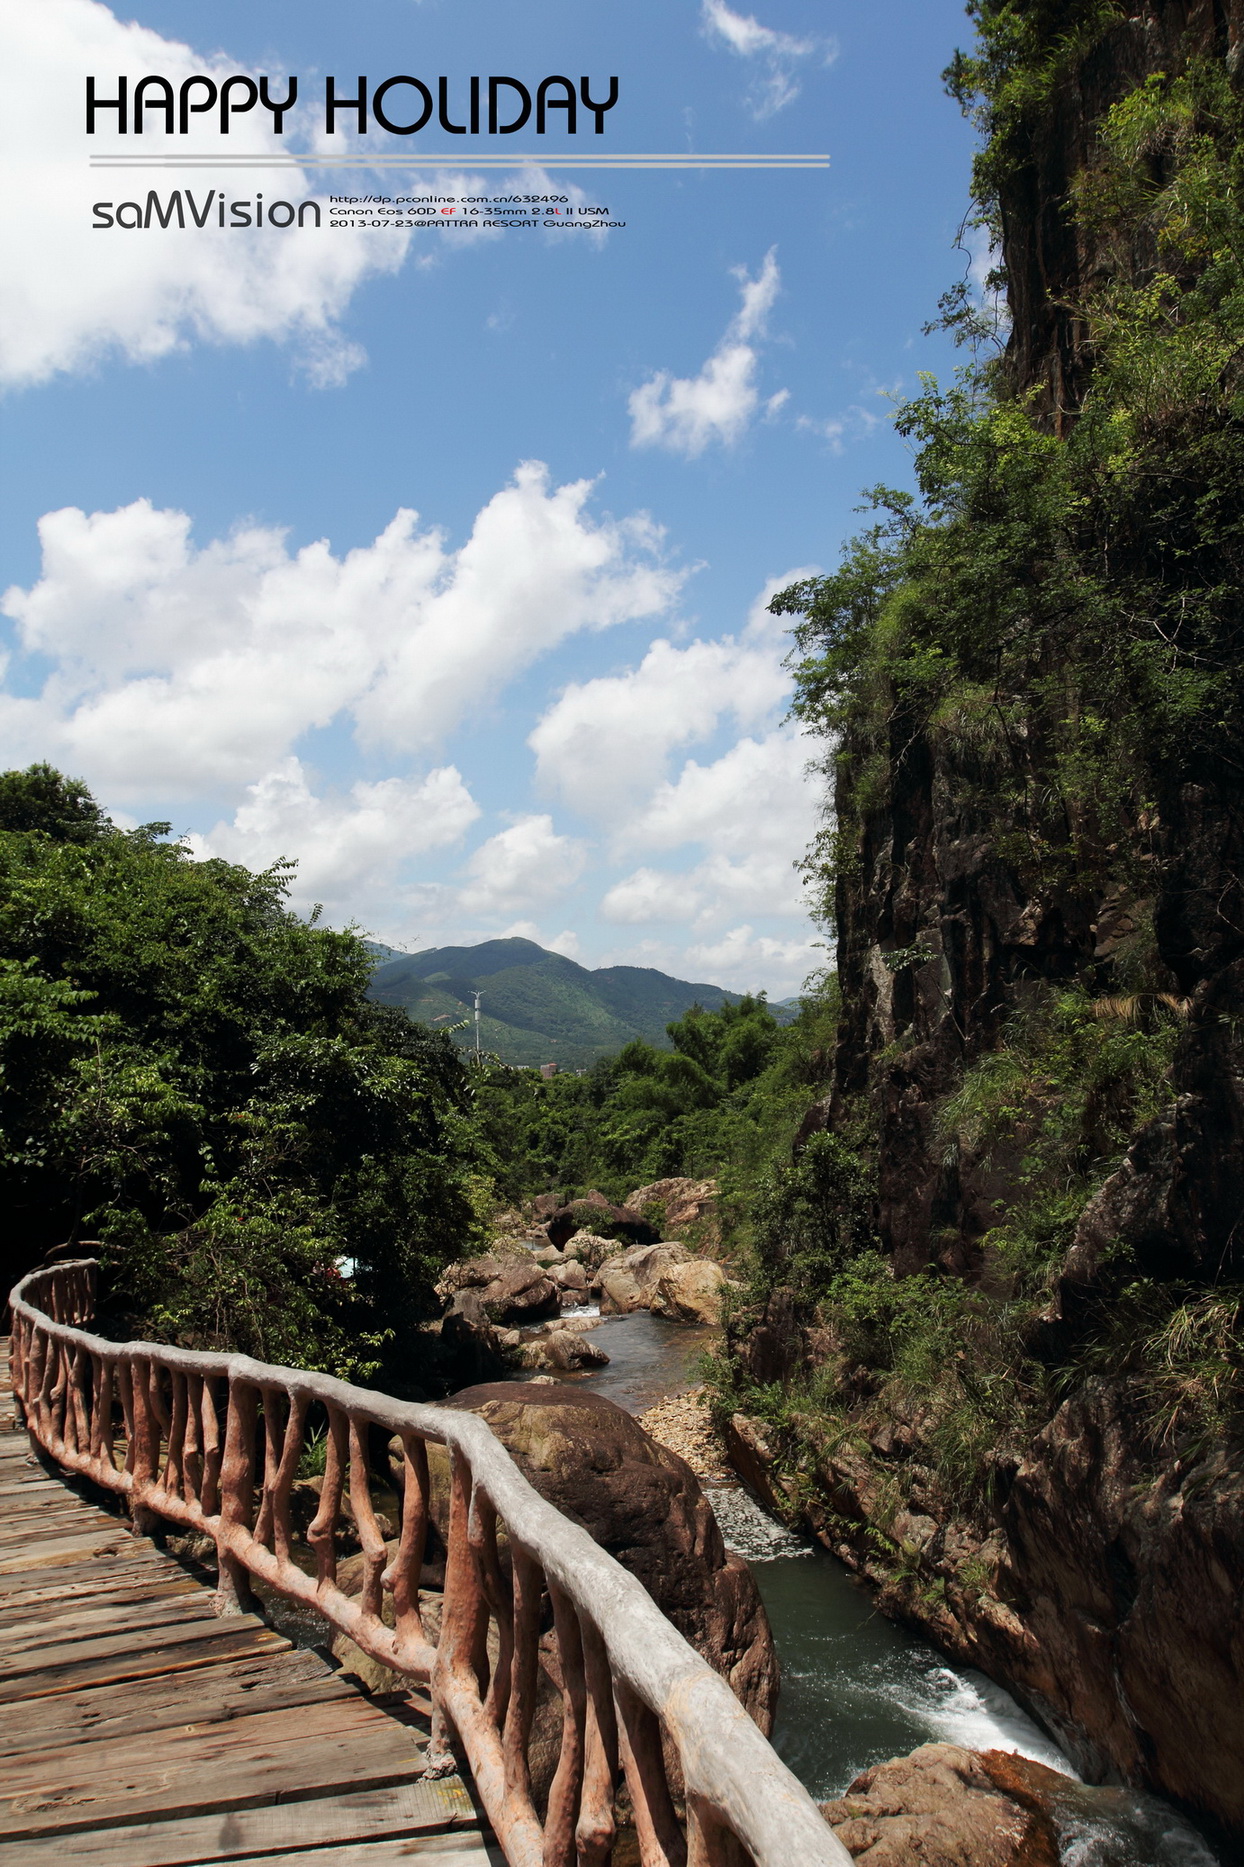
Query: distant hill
[{"x": 538, "y": 1007}]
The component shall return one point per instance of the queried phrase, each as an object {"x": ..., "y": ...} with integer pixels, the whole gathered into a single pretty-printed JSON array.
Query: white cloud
[
  {"x": 735, "y": 803},
  {"x": 522, "y": 867},
  {"x": 606, "y": 742},
  {"x": 178, "y": 668},
  {"x": 753, "y": 811},
  {"x": 855, "y": 423},
  {"x": 75, "y": 292},
  {"x": 351, "y": 851},
  {"x": 605, "y": 745},
  {"x": 779, "y": 53},
  {"x": 740, "y": 957},
  {"x": 686, "y": 414}
]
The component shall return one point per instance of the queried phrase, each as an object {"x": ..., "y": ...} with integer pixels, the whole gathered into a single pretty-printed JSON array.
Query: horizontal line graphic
[{"x": 462, "y": 161}]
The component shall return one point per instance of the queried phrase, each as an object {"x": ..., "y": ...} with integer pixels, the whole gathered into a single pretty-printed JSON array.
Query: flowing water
[
  {"x": 856, "y": 1688},
  {"x": 649, "y": 1358}
]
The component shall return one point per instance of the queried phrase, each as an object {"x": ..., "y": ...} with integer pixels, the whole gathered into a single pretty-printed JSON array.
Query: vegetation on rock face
[
  {"x": 195, "y": 1077},
  {"x": 1041, "y": 661},
  {"x": 993, "y": 1329}
]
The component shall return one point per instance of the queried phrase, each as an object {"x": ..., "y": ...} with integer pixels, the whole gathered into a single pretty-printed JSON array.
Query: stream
[{"x": 856, "y": 1688}]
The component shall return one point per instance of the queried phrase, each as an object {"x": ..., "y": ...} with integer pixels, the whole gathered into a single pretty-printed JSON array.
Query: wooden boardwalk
[{"x": 139, "y": 1730}]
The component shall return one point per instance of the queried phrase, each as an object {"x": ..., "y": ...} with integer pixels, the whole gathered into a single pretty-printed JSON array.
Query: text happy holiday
[{"x": 400, "y": 106}]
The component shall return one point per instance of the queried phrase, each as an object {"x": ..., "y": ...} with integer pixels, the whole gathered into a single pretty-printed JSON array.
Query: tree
[{"x": 194, "y": 1076}]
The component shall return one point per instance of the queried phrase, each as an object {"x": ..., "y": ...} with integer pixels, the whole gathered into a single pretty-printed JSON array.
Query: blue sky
[{"x": 552, "y": 702}]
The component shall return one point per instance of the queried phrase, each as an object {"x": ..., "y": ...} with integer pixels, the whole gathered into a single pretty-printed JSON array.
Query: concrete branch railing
[{"x": 213, "y": 1443}]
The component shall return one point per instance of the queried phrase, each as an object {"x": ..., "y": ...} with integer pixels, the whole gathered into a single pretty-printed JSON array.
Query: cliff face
[
  {"x": 1050, "y": 263},
  {"x": 1100, "y": 1569}
]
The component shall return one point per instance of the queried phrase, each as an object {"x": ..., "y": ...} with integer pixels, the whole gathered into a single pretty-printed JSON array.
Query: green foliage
[
  {"x": 813, "y": 1217},
  {"x": 196, "y": 1077},
  {"x": 1182, "y": 1351},
  {"x": 39, "y": 798},
  {"x": 728, "y": 1094},
  {"x": 1066, "y": 606},
  {"x": 538, "y": 1007},
  {"x": 1053, "y": 625},
  {"x": 1058, "y": 1102}
]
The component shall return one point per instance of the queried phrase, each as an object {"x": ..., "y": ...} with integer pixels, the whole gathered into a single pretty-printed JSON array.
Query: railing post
[
  {"x": 237, "y": 1477},
  {"x": 143, "y": 1448}
]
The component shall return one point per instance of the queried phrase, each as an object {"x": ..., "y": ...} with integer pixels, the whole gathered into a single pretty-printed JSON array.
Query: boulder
[
  {"x": 591, "y": 1250},
  {"x": 948, "y": 1807},
  {"x": 753, "y": 1459},
  {"x": 630, "y": 1280},
  {"x": 595, "y": 1213},
  {"x": 691, "y": 1292},
  {"x": 673, "y": 1204},
  {"x": 522, "y": 1293},
  {"x": 512, "y": 1289},
  {"x": 644, "y": 1505},
  {"x": 476, "y": 1347},
  {"x": 471, "y": 1274},
  {"x": 570, "y": 1277},
  {"x": 566, "y": 1349}
]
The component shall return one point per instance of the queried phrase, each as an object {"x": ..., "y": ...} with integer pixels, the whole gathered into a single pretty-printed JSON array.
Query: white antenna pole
[{"x": 477, "y": 999}]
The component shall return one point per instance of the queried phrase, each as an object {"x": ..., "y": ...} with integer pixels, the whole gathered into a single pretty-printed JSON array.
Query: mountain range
[{"x": 537, "y": 1007}]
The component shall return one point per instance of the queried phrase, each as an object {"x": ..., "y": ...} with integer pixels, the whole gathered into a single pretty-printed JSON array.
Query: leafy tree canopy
[{"x": 194, "y": 1076}]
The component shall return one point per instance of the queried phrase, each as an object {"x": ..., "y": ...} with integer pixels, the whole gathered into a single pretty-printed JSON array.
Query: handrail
[{"x": 630, "y": 1683}]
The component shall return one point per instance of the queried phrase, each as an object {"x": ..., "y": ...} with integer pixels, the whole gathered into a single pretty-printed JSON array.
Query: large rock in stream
[
  {"x": 644, "y": 1505},
  {"x": 947, "y": 1807},
  {"x": 666, "y": 1279},
  {"x": 944, "y": 1806}
]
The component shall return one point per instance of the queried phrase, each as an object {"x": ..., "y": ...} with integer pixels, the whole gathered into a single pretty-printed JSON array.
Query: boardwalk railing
[{"x": 213, "y": 1442}]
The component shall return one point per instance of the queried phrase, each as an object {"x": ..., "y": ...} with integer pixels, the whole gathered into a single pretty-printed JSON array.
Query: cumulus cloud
[
  {"x": 181, "y": 668},
  {"x": 351, "y": 850},
  {"x": 686, "y": 414},
  {"x": 779, "y": 54},
  {"x": 524, "y": 866},
  {"x": 74, "y": 292},
  {"x": 740, "y": 957},
  {"x": 753, "y": 811},
  {"x": 605, "y": 745}
]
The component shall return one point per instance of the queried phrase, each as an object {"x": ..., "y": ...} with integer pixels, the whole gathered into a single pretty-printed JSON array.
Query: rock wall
[{"x": 1105, "y": 1583}]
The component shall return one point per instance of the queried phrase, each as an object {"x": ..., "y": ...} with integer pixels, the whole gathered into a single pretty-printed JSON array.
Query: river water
[{"x": 856, "y": 1688}]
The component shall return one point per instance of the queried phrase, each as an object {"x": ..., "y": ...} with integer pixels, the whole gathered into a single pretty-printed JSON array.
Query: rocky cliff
[{"x": 1021, "y": 1415}]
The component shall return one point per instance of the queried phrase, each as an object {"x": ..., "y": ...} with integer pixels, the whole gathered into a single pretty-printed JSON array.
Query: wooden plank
[
  {"x": 405, "y": 1810},
  {"x": 49, "y": 1553},
  {"x": 19, "y": 1487},
  {"x": 330, "y": 1749},
  {"x": 53, "y": 1605},
  {"x": 197, "y": 1756},
  {"x": 214, "y": 1694},
  {"x": 32, "y": 1541},
  {"x": 19, "y": 1515},
  {"x": 138, "y": 1624},
  {"x": 13, "y": 1522},
  {"x": 56, "y": 1654},
  {"x": 49, "y": 1525},
  {"x": 133, "y": 1567},
  {"x": 226, "y": 1639},
  {"x": 461, "y": 1850}
]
